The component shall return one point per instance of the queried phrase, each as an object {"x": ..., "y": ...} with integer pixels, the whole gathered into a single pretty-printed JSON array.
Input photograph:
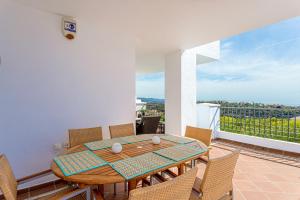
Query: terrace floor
[{"x": 260, "y": 174}]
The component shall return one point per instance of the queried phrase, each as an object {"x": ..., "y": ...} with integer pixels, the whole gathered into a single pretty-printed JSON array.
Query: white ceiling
[{"x": 163, "y": 26}]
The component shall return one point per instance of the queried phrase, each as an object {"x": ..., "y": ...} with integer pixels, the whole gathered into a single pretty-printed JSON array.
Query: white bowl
[
  {"x": 156, "y": 139},
  {"x": 116, "y": 148}
]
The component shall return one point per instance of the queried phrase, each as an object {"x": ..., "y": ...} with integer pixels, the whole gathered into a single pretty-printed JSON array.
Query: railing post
[
  {"x": 282, "y": 119},
  {"x": 270, "y": 115},
  {"x": 232, "y": 119},
  {"x": 254, "y": 116},
  {"x": 245, "y": 125},
  {"x": 259, "y": 122},
  {"x": 264, "y": 123},
  {"x": 288, "y": 126},
  {"x": 240, "y": 121},
  {"x": 295, "y": 126}
]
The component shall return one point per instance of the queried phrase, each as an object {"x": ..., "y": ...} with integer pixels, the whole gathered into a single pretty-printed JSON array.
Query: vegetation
[
  {"x": 274, "y": 121},
  {"x": 250, "y": 105},
  {"x": 287, "y": 129},
  {"x": 155, "y": 109}
]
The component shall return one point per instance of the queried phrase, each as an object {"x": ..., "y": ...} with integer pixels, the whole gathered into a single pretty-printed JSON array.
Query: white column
[{"x": 180, "y": 91}]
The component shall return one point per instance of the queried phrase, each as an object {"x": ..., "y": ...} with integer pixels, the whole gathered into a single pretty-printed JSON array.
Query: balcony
[
  {"x": 259, "y": 174},
  {"x": 57, "y": 79},
  {"x": 273, "y": 123},
  {"x": 273, "y": 128}
]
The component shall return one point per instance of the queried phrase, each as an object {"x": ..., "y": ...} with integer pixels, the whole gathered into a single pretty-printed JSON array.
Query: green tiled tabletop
[
  {"x": 102, "y": 144},
  {"x": 176, "y": 139},
  {"x": 179, "y": 152},
  {"x": 75, "y": 163},
  {"x": 132, "y": 167}
]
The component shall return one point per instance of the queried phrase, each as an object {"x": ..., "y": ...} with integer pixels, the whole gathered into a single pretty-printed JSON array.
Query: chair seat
[{"x": 195, "y": 194}]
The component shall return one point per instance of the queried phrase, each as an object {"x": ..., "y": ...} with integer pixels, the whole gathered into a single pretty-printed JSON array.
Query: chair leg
[
  {"x": 231, "y": 194},
  {"x": 115, "y": 188},
  {"x": 97, "y": 195},
  {"x": 126, "y": 186},
  {"x": 151, "y": 180}
]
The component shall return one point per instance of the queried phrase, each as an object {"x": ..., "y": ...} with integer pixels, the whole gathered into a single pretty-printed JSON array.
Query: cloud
[
  {"x": 259, "y": 66},
  {"x": 266, "y": 70},
  {"x": 150, "y": 85},
  {"x": 277, "y": 84},
  {"x": 149, "y": 77}
]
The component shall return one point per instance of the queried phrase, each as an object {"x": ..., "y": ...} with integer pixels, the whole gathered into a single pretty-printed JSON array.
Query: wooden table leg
[
  {"x": 80, "y": 185},
  {"x": 132, "y": 185},
  {"x": 101, "y": 189},
  {"x": 97, "y": 195},
  {"x": 180, "y": 169}
]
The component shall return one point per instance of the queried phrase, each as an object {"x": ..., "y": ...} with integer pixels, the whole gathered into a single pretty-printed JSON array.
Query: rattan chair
[
  {"x": 121, "y": 130},
  {"x": 148, "y": 125},
  {"x": 201, "y": 134},
  {"x": 179, "y": 188},
  {"x": 84, "y": 135},
  {"x": 217, "y": 179},
  {"x": 8, "y": 186}
]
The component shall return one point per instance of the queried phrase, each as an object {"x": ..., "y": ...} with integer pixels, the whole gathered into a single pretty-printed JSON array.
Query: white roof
[{"x": 139, "y": 101}]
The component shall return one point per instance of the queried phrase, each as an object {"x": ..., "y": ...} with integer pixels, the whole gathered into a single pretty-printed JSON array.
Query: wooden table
[{"x": 107, "y": 175}]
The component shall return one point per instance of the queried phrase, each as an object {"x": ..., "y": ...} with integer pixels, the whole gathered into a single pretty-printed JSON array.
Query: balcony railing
[{"x": 275, "y": 123}]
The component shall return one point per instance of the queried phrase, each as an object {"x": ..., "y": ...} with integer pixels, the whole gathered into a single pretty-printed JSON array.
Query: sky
[{"x": 260, "y": 66}]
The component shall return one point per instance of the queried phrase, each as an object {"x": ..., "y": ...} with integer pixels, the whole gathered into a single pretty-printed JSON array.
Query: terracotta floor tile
[
  {"x": 253, "y": 195},
  {"x": 240, "y": 176},
  {"x": 257, "y": 177},
  {"x": 275, "y": 177},
  {"x": 237, "y": 195},
  {"x": 289, "y": 187},
  {"x": 267, "y": 186},
  {"x": 282, "y": 196},
  {"x": 245, "y": 185}
]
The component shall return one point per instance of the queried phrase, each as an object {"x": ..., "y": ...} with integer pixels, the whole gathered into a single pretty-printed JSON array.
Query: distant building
[{"x": 140, "y": 105}]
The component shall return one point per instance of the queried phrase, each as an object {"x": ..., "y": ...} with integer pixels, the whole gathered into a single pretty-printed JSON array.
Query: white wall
[
  {"x": 208, "y": 116},
  {"x": 263, "y": 142},
  {"x": 173, "y": 93},
  {"x": 49, "y": 84},
  {"x": 180, "y": 91},
  {"x": 208, "y": 53}
]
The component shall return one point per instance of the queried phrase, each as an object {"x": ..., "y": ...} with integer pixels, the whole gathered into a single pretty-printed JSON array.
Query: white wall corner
[
  {"x": 173, "y": 93},
  {"x": 208, "y": 116},
  {"x": 180, "y": 91},
  {"x": 188, "y": 90}
]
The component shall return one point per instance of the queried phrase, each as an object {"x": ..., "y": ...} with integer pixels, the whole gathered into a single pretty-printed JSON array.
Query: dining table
[{"x": 95, "y": 163}]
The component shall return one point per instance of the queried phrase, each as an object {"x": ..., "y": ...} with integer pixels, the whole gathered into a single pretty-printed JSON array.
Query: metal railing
[
  {"x": 161, "y": 128},
  {"x": 275, "y": 123}
]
